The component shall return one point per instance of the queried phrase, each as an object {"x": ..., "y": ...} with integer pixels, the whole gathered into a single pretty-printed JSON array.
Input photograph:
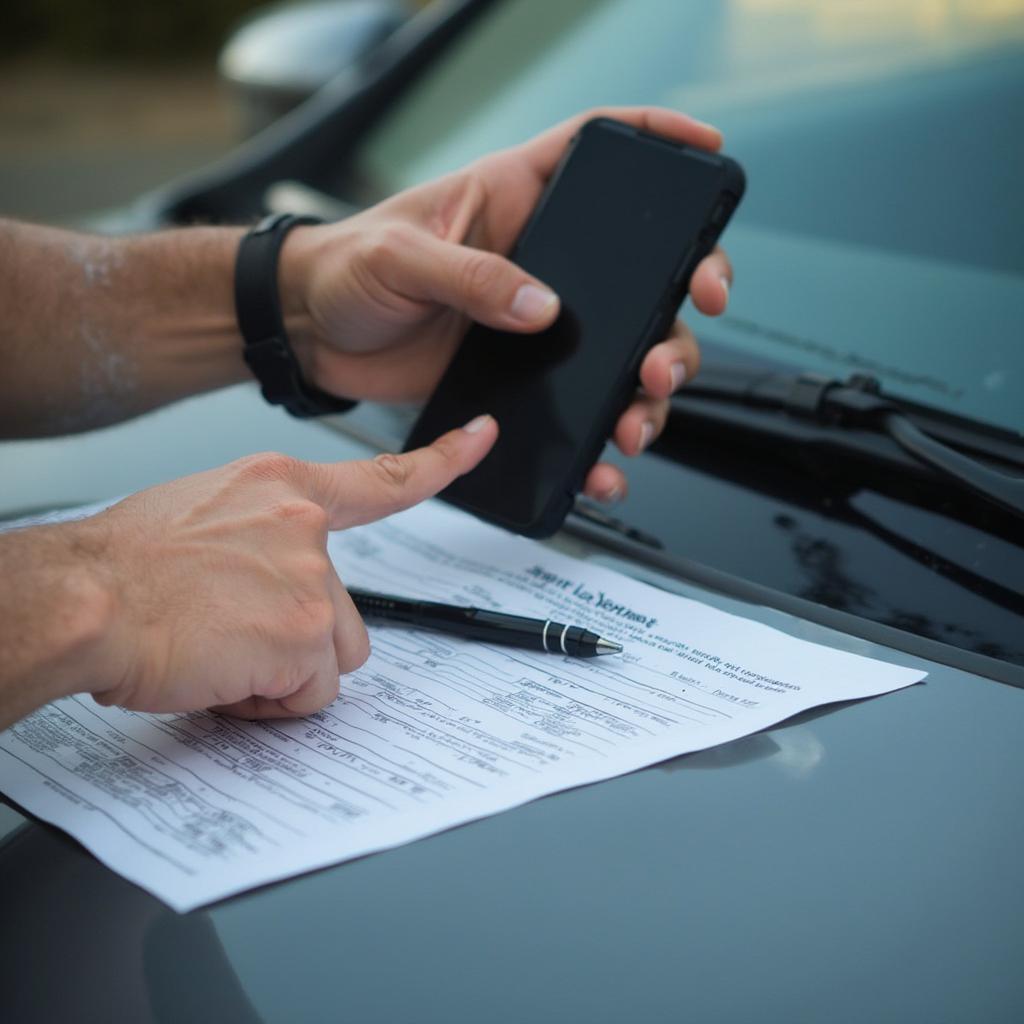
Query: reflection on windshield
[{"x": 883, "y": 146}]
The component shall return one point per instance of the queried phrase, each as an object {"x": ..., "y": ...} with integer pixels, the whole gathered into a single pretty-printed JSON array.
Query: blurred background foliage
[{"x": 121, "y": 30}]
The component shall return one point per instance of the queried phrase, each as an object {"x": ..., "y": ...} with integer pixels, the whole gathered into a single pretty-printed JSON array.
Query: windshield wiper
[{"x": 858, "y": 405}]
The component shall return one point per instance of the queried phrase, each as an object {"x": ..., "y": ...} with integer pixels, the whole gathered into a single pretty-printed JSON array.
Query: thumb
[
  {"x": 360, "y": 491},
  {"x": 485, "y": 286}
]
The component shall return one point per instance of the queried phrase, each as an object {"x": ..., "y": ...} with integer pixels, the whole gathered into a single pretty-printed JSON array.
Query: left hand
[
  {"x": 377, "y": 303},
  {"x": 216, "y": 590}
]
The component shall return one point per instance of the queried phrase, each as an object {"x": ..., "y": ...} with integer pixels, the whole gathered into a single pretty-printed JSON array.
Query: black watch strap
[{"x": 267, "y": 350}]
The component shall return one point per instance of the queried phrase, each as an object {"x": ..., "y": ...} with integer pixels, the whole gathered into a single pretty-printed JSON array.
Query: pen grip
[{"x": 396, "y": 609}]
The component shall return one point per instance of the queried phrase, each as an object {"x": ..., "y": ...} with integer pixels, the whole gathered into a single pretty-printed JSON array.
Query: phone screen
[{"x": 616, "y": 235}]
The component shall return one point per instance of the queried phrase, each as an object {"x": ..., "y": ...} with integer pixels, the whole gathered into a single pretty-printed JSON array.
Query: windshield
[{"x": 883, "y": 228}]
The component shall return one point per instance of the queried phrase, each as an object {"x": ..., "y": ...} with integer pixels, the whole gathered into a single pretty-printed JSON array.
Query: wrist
[
  {"x": 86, "y": 611},
  {"x": 57, "y": 616},
  {"x": 275, "y": 317},
  {"x": 295, "y": 268}
]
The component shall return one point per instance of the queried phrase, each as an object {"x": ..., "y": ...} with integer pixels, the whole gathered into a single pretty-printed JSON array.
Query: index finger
[
  {"x": 545, "y": 150},
  {"x": 357, "y": 492}
]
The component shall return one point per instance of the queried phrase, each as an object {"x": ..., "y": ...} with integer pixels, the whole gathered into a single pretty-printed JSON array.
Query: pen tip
[{"x": 607, "y": 647}]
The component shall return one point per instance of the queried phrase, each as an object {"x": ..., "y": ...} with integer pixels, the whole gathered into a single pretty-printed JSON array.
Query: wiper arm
[
  {"x": 860, "y": 404},
  {"x": 999, "y": 488}
]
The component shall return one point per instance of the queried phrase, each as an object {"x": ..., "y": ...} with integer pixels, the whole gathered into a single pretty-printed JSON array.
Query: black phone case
[{"x": 692, "y": 251}]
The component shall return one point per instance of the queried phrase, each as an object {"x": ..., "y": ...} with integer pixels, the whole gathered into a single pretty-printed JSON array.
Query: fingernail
[
  {"x": 474, "y": 426},
  {"x": 612, "y": 494},
  {"x": 531, "y": 303},
  {"x": 725, "y": 287},
  {"x": 646, "y": 433},
  {"x": 678, "y": 372}
]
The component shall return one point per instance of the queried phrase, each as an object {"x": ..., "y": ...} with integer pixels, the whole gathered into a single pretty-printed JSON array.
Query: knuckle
[
  {"x": 355, "y": 652},
  {"x": 392, "y": 470},
  {"x": 266, "y": 466},
  {"x": 479, "y": 274},
  {"x": 387, "y": 244},
  {"x": 321, "y": 617},
  {"x": 313, "y": 619},
  {"x": 275, "y": 687},
  {"x": 313, "y": 566},
  {"x": 302, "y": 513}
]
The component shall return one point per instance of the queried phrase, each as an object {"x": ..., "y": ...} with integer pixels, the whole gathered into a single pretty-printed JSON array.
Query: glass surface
[
  {"x": 556, "y": 395},
  {"x": 884, "y": 147}
]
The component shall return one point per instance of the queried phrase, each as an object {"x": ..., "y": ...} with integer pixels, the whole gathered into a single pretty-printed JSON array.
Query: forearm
[
  {"x": 56, "y": 612},
  {"x": 96, "y": 330}
]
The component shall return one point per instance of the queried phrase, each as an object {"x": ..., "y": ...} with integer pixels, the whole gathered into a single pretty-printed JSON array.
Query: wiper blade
[{"x": 860, "y": 404}]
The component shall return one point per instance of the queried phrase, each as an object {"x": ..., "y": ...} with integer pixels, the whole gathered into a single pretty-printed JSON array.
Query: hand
[
  {"x": 222, "y": 592},
  {"x": 386, "y": 296}
]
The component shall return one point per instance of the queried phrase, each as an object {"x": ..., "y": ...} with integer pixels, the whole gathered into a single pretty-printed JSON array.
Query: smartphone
[{"x": 618, "y": 231}]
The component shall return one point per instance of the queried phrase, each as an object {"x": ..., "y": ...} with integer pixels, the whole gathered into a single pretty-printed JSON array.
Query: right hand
[
  {"x": 223, "y": 594},
  {"x": 378, "y": 302}
]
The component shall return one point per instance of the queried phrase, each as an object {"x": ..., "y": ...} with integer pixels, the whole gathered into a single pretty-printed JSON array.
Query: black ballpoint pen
[{"x": 481, "y": 624}]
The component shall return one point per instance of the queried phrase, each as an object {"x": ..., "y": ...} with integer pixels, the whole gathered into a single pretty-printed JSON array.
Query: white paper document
[{"x": 432, "y": 731}]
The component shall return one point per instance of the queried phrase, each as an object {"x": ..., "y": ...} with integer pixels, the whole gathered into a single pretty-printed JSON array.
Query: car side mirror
[{"x": 281, "y": 55}]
